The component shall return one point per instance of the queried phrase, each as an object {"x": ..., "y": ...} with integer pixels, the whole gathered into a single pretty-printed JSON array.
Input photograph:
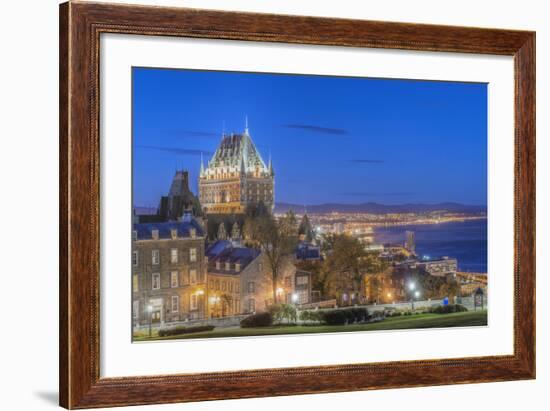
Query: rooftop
[{"x": 144, "y": 231}]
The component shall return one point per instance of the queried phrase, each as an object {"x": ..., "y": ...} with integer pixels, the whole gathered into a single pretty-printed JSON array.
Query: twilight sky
[{"x": 332, "y": 139}]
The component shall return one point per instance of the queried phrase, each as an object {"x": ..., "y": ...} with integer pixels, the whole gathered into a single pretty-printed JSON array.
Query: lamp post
[
  {"x": 416, "y": 295},
  {"x": 150, "y": 311},
  {"x": 412, "y": 287}
]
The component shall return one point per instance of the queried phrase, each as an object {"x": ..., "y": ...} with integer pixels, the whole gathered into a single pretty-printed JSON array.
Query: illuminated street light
[
  {"x": 417, "y": 294},
  {"x": 412, "y": 286},
  {"x": 294, "y": 298}
]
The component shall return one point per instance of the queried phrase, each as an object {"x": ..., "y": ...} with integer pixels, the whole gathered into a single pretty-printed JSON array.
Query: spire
[
  {"x": 202, "y": 166},
  {"x": 246, "y": 124},
  {"x": 270, "y": 166}
]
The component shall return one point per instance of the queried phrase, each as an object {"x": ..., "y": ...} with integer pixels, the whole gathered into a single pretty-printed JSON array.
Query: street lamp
[
  {"x": 294, "y": 298},
  {"x": 150, "y": 311},
  {"x": 412, "y": 287}
]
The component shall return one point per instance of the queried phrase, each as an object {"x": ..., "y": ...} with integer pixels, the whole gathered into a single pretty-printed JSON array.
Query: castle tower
[{"x": 235, "y": 177}]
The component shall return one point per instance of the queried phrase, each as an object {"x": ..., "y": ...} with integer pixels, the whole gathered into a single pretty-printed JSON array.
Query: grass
[{"x": 464, "y": 319}]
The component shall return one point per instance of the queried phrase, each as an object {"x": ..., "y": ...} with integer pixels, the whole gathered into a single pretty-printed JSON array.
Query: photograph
[{"x": 281, "y": 203}]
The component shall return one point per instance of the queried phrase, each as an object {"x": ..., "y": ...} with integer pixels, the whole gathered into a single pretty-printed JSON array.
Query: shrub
[
  {"x": 334, "y": 317},
  {"x": 310, "y": 316},
  {"x": 257, "y": 320},
  {"x": 163, "y": 332},
  {"x": 361, "y": 314},
  {"x": 448, "y": 309},
  {"x": 281, "y": 312}
]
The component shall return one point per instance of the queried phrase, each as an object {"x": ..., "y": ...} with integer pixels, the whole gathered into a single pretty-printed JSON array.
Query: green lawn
[{"x": 465, "y": 319}]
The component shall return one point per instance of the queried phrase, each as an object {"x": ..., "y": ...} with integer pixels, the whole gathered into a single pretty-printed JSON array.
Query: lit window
[
  {"x": 301, "y": 280},
  {"x": 155, "y": 234},
  {"x": 135, "y": 259},
  {"x": 227, "y": 265},
  {"x": 155, "y": 257},
  {"x": 193, "y": 232},
  {"x": 237, "y": 267},
  {"x": 174, "y": 233},
  {"x": 174, "y": 279},
  {"x": 135, "y": 283},
  {"x": 175, "y": 303},
  {"x": 193, "y": 276},
  {"x": 156, "y": 281},
  {"x": 192, "y": 254},
  {"x": 251, "y": 287},
  {"x": 174, "y": 255},
  {"x": 194, "y": 301}
]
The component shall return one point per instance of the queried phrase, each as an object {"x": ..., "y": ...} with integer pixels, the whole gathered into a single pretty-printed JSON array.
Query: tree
[
  {"x": 349, "y": 259},
  {"x": 277, "y": 239},
  {"x": 346, "y": 261},
  {"x": 305, "y": 229}
]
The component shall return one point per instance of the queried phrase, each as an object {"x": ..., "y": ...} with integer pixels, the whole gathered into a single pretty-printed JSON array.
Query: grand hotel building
[{"x": 236, "y": 176}]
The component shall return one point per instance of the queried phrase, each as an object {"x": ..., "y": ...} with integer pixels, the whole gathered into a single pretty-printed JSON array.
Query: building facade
[
  {"x": 168, "y": 272},
  {"x": 236, "y": 177},
  {"x": 247, "y": 271}
]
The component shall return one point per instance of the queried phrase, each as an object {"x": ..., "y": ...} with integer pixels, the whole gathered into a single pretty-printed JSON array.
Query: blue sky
[{"x": 331, "y": 139}]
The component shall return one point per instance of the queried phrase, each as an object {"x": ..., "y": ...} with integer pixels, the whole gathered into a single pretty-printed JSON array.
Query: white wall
[{"x": 28, "y": 137}]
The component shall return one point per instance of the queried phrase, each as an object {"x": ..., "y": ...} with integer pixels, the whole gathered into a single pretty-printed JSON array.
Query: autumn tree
[{"x": 277, "y": 239}]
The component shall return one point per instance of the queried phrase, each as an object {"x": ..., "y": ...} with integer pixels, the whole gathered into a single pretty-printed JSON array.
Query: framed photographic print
[{"x": 259, "y": 205}]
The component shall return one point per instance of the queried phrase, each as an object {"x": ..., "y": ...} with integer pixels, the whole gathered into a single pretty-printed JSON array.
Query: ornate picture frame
[{"x": 81, "y": 25}]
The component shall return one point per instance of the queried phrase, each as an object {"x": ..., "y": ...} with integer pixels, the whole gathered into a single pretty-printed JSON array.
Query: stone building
[
  {"x": 229, "y": 263},
  {"x": 168, "y": 271},
  {"x": 384, "y": 287},
  {"x": 172, "y": 205},
  {"x": 235, "y": 177}
]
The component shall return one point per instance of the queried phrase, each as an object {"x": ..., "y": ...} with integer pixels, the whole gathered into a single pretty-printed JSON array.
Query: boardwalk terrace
[
  {"x": 236, "y": 177},
  {"x": 168, "y": 271}
]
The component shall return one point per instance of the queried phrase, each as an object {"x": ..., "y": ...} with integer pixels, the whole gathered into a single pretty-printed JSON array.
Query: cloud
[
  {"x": 318, "y": 129},
  {"x": 178, "y": 151},
  {"x": 366, "y": 161},
  {"x": 196, "y": 133},
  {"x": 371, "y": 194}
]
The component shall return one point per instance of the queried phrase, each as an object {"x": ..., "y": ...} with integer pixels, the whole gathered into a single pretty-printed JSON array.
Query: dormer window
[
  {"x": 237, "y": 267},
  {"x": 155, "y": 234},
  {"x": 174, "y": 233},
  {"x": 193, "y": 232},
  {"x": 134, "y": 235},
  {"x": 218, "y": 265},
  {"x": 227, "y": 265}
]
